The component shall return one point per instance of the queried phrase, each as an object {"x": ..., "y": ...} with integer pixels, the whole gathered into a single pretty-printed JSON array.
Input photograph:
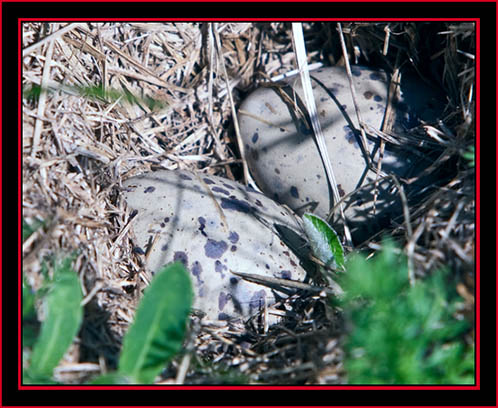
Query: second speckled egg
[{"x": 282, "y": 154}]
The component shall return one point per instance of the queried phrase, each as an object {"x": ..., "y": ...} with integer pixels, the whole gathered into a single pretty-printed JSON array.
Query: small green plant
[
  {"x": 402, "y": 334},
  {"x": 63, "y": 315},
  {"x": 158, "y": 330},
  {"x": 397, "y": 334},
  {"x": 28, "y": 229},
  {"x": 153, "y": 339},
  {"x": 470, "y": 156}
]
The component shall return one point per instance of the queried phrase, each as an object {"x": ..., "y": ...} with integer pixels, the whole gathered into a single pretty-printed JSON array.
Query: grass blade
[{"x": 157, "y": 333}]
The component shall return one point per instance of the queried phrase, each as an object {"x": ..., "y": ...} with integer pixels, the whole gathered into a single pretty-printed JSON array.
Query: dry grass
[{"x": 77, "y": 149}]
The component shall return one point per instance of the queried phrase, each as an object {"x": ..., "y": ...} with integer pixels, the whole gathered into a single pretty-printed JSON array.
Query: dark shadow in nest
[{"x": 97, "y": 339}]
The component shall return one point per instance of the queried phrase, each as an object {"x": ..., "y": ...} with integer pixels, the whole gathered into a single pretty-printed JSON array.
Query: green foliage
[
  {"x": 470, "y": 156},
  {"x": 62, "y": 305},
  {"x": 153, "y": 339},
  {"x": 324, "y": 241},
  {"x": 28, "y": 229},
  {"x": 401, "y": 334},
  {"x": 113, "y": 378},
  {"x": 157, "y": 333}
]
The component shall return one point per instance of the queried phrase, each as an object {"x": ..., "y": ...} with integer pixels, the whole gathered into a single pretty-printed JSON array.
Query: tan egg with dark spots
[
  {"x": 215, "y": 226},
  {"x": 283, "y": 157}
]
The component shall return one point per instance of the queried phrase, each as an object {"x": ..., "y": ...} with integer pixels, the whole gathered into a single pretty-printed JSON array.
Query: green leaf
[
  {"x": 28, "y": 377},
  {"x": 324, "y": 241},
  {"x": 63, "y": 318},
  {"x": 110, "y": 379},
  {"x": 157, "y": 332},
  {"x": 28, "y": 229}
]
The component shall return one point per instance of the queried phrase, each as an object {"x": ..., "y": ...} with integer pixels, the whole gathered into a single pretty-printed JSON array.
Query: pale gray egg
[
  {"x": 214, "y": 226},
  {"x": 284, "y": 159}
]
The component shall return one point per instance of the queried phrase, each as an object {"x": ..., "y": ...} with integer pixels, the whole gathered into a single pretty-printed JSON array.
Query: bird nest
[{"x": 119, "y": 99}]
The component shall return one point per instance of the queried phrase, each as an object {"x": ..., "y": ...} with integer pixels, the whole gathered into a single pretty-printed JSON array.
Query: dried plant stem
[
  {"x": 353, "y": 94},
  {"x": 43, "y": 99},
  {"x": 232, "y": 106},
  {"x": 50, "y": 38},
  {"x": 302, "y": 63}
]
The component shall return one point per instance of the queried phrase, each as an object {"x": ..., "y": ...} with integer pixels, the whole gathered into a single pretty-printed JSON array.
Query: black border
[{"x": 12, "y": 11}]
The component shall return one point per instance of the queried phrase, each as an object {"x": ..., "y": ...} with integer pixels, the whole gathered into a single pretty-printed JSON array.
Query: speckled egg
[
  {"x": 283, "y": 157},
  {"x": 214, "y": 226}
]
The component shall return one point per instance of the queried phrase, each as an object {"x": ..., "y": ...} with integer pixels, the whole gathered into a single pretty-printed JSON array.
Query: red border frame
[{"x": 263, "y": 387}]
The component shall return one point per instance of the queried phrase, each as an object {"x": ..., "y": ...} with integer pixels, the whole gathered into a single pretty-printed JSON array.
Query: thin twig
[
  {"x": 335, "y": 289},
  {"x": 353, "y": 93}
]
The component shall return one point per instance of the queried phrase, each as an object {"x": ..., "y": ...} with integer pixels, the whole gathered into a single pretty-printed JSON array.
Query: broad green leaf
[
  {"x": 157, "y": 332},
  {"x": 28, "y": 377},
  {"x": 63, "y": 318},
  {"x": 324, "y": 241},
  {"x": 110, "y": 379}
]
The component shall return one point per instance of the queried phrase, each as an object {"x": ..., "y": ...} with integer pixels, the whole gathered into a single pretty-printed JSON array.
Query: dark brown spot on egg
[
  {"x": 181, "y": 256},
  {"x": 223, "y": 316},
  {"x": 254, "y": 154},
  {"x": 376, "y": 76},
  {"x": 197, "y": 271},
  {"x": 222, "y": 300},
  {"x": 233, "y": 237},
  {"x": 235, "y": 204},
  {"x": 257, "y": 299},
  {"x": 214, "y": 249},
  {"x": 356, "y": 71},
  {"x": 220, "y": 190}
]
